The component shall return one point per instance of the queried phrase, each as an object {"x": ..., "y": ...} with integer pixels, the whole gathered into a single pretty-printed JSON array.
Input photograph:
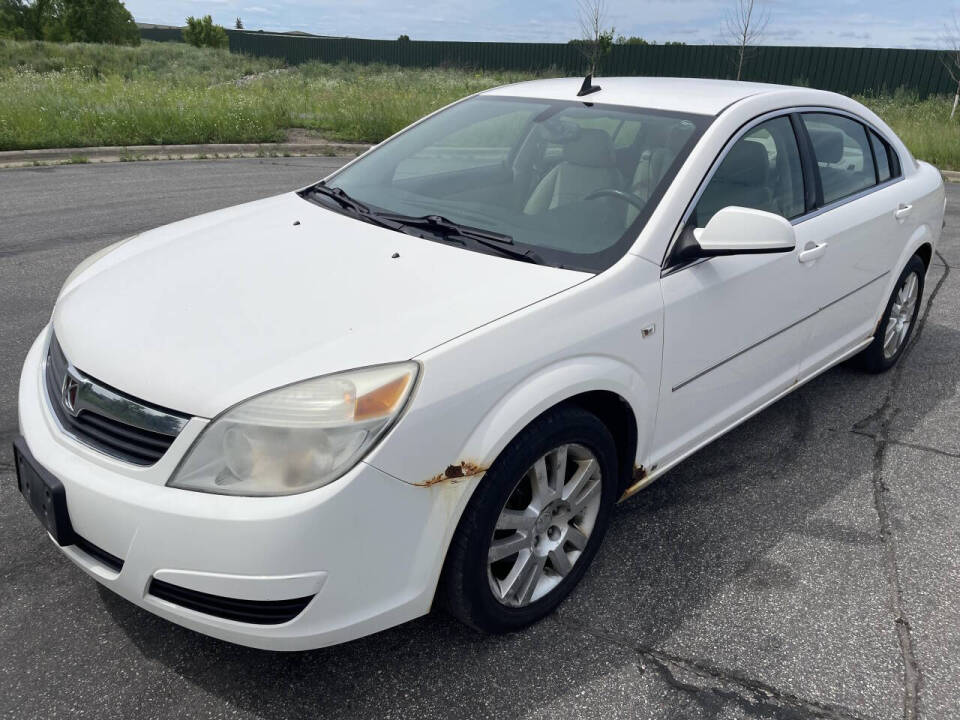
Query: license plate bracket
[{"x": 44, "y": 494}]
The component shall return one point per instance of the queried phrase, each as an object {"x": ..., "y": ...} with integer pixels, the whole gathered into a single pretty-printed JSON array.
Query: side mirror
[{"x": 740, "y": 231}]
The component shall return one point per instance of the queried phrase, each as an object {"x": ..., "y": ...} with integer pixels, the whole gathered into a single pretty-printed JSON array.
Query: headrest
[
  {"x": 678, "y": 137},
  {"x": 747, "y": 163},
  {"x": 592, "y": 148},
  {"x": 827, "y": 144}
]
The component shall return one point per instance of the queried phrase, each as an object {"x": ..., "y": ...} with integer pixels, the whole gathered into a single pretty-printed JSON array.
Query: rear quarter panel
[{"x": 923, "y": 188}]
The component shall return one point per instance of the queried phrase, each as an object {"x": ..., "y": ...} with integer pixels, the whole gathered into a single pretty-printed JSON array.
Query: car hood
[{"x": 201, "y": 314}]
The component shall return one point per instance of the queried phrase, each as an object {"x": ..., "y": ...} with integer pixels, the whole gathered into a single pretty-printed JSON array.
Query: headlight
[
  {"x": 84, "y": 264},
  {"x": 299, "y": 437}
]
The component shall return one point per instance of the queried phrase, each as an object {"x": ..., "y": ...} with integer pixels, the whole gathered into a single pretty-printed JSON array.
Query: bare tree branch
[
  {"x": 746, "y": 23},
  {"x": 596, "y": 37},
  {"x": 951, "y": 57}
]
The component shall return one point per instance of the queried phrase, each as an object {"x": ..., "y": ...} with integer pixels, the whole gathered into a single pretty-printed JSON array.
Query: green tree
[
  {"x": 201, "y": 32},
  {"x": 403, "y": 38},
  {"x": 12, "y": 20},
  {"x": 27, "y": 21},
  {"x": 633, "y": 40},
  {"x": 238, "y": 24},
  {"x": 99, "y": 21}
]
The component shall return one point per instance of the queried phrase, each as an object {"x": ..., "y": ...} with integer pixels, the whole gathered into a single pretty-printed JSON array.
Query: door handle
[
  {"x": 902, "y": 211},
  {"x": 810, "y": 254}
]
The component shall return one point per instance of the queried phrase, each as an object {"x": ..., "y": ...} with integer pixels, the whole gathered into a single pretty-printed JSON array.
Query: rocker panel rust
[{"x": 641, "y": 478}]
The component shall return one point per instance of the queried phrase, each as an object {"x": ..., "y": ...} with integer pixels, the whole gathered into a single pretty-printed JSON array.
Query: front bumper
[{"x": 368, "y": 547}]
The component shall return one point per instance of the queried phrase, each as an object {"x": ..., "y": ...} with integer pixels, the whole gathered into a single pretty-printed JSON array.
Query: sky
[{"x": 856, "y": 23}]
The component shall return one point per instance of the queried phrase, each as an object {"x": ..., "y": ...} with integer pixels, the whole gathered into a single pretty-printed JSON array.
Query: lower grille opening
[
  {"x": 98, "y": 553},
  {"x": 258, "y": 612}
]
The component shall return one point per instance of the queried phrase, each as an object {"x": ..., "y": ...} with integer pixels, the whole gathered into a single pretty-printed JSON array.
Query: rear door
[
  {"x": 861, "y": 221},
  {"x": 733, "y": 326}
]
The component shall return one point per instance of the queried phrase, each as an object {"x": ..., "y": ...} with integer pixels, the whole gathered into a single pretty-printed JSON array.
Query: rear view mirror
[{"x": 739, "y": 231}]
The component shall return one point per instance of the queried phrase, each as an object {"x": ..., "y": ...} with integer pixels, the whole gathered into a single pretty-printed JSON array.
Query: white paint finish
[
  {"x": 488, "y": 385},
  {"x": 739, "y": 229},
  {"x": 246, "y": 587},
  {"x": 732, "y": 331},
  {"x": 204, "y": 313},
  {"x": 657, "y": 234},
  {"x": 690, "y": 95},
  {"x": 869, "y": 247},
  {"x": 207, "y": 312},
  {"x": 863, "y": 241},
  {"x": 337, "y": 530}
]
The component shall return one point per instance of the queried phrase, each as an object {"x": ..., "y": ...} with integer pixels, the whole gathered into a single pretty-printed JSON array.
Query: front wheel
[
  {"x": 534, "y": 523},
  {"x": 898, "y": 320}
]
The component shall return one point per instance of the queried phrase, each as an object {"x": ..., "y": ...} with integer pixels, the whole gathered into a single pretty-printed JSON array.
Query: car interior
[{"x": 572, "y": 179}]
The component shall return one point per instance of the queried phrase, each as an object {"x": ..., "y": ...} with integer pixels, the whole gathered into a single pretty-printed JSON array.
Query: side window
[
  {"x": 762, "y": 171},
  {"x": 882, "y": 153},
  {"x": 844, "y": 158}
]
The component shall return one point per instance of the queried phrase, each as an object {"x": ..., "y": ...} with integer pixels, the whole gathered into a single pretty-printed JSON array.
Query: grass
[
  {"x": 76, "y": 95},
  {"x": 924, "y": 125},
  {"x": 164, "y": 93}
]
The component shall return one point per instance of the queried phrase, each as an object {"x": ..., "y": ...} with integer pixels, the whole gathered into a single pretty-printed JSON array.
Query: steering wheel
[{"x": 613, "y": 192}]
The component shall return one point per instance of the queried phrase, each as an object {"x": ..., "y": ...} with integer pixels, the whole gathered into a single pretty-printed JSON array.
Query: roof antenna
[{"x": 588, "y": 86}]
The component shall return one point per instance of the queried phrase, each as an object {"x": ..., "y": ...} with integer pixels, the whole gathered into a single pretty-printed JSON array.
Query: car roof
[{"x": 689, "y": 95}]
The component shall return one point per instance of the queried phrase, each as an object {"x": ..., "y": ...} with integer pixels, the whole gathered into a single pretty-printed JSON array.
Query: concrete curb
[
  {"x": 67, "y": 156},
  {"x": 71, "y": 156}
]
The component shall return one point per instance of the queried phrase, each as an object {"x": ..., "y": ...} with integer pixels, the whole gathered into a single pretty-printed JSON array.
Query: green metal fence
[
  {"x": 161, "y": 34},
  {"x": 845, "y": 70}
]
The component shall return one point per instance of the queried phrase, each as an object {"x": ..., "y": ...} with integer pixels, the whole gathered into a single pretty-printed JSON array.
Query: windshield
[{"x": 569, "y": 183}]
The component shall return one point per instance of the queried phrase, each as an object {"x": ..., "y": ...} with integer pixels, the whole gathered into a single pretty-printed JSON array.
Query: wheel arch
[
  {"x": 608, "y": 388},
  {"x": 616, "y": 414},
  {"x": 921, "y": 243}
]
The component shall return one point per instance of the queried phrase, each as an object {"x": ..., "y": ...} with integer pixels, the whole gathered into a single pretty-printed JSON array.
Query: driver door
[{"x": 733, "y": 324}]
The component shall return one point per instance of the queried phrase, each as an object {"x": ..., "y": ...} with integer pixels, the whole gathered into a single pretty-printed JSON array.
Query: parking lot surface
[{"x": 806, "y": 565}]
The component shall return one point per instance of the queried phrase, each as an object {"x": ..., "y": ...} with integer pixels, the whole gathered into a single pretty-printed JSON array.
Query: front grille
[
  {"x": 258, "y": 612},
  {"x": 107, "y": 419}
]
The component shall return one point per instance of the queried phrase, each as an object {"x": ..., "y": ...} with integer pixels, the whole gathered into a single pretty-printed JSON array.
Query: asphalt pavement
[{"x": 806, "y": 565}]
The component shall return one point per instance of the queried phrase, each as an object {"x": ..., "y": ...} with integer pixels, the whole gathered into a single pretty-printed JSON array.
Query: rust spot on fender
[{"x": 454, "y": 473}]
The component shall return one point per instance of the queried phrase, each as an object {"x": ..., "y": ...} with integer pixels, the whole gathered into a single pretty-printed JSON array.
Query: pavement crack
[
  {"x": 713, "y": 687},
  {"x": 904, "y": 443},
  {"x": 884, "y": 416}
]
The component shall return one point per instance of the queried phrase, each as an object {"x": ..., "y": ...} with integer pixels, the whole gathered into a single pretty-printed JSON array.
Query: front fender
[{"x": 548, "y": 387}]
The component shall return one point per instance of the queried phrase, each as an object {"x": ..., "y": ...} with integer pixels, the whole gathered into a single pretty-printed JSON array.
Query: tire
[
  {"x": 481, "y": 594},
  {"x": 877, "y": 356}
]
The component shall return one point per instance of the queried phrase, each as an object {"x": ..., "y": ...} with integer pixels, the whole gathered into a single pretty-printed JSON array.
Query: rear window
[
  {"x": 882, "y": 153},
  {"x": 843, "y": 154}
]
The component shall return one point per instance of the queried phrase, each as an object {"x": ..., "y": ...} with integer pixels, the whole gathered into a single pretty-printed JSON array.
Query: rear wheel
[
  {"x": 899, "y": 318},
  {"x": 534, "y": 524}
]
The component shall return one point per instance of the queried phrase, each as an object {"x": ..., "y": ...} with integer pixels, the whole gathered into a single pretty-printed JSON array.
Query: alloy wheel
[
  {"x": 901, "y": 315},
  {"x": 544, "y": 526}
]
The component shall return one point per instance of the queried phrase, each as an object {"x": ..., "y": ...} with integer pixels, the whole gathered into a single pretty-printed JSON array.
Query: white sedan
[{"x": 429, "y": 378}]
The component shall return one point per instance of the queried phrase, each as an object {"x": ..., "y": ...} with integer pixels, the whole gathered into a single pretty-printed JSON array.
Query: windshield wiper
[
  {"x": 498, "y": 242},
  {"x": 356, "y": 208},
  {"x": 446, "y": 225},
  {"x": 435, "y": 224},
  {"x": 339, "y": 196}
]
